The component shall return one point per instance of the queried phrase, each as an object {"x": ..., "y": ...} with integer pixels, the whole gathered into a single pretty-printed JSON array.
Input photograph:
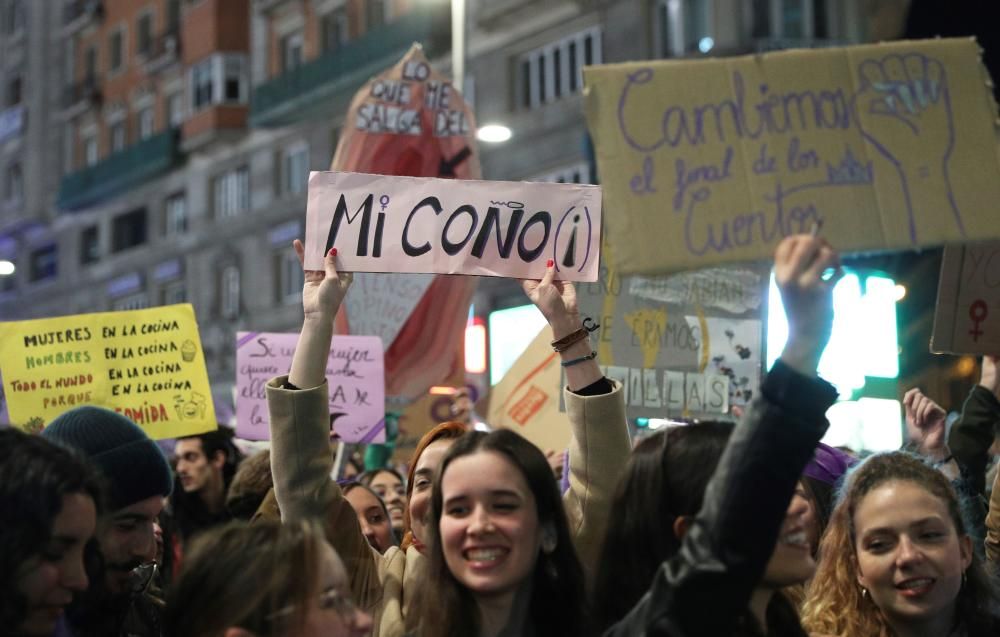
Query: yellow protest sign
[
  {"x": 145, "y": 364},
  {"x": 890, "y": 146}
]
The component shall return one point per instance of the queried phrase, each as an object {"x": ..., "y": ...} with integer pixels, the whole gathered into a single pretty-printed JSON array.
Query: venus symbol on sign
[{"x": 977, "y": 312}]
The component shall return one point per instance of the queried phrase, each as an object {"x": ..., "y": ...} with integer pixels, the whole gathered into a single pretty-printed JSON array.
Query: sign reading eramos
[{"x": 446, "y": 226}]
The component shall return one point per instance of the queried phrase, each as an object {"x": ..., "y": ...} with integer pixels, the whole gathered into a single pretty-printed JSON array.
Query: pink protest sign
[
  {"x": 445, "y": 226},
  {"x": 355, "y": 374}
]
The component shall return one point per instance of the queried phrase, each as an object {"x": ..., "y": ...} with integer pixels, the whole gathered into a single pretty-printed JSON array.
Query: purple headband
[{"x": 828, "y": 464}]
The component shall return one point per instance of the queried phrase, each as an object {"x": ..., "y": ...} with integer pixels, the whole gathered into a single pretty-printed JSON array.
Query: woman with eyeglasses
[
  {"x": 387, "y": 585},
  {"x": 264, "y": 580}
]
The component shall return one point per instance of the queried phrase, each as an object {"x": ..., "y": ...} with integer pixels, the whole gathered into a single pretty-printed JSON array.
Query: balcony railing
[
  {"x": 84, "y": 93},
  {"x": 121, "y": 171},
  {"x": 165, "y": 51},
  {"x": 295, "y": 93},
  {"x": 78, "y": 13}
]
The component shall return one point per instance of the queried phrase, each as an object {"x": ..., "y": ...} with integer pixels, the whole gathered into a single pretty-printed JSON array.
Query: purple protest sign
[{"x": 355, "y": 373}]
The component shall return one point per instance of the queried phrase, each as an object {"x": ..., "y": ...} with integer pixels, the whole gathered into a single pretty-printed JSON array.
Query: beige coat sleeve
[
  {"x": 993, "y": 524},
  {"x": 301, "y": 463},
  {"x": 599, "y": 448}
]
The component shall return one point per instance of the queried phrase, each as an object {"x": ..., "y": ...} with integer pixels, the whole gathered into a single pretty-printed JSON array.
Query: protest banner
[
  {"x": 379, "y": 304},
  {"x": 354, "y": 374},
  {"x": 527, "y": 399},
  {"x": 687, "y": 345},
  {"x": 423, "y": 224},
  {"x": 145, "y": 364},
  {"x": 418, "y": 321},
  {"x": 890, "y": 145},
  {"x": 967, "y": 314}
]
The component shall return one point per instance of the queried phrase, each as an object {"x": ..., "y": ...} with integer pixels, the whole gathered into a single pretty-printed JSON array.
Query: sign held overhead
[
  {"x": 891, "y": 146},
  {"x": 422, "y": 224}
]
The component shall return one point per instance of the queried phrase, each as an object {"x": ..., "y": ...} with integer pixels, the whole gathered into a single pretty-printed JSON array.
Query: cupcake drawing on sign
[{"x": 188, "y": 350}]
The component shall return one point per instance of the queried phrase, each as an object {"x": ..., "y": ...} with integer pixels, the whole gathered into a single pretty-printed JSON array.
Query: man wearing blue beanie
[{"x": 138, "y": 479}]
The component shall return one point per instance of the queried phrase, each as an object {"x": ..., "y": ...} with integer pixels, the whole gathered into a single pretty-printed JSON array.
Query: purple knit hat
[{"x": 828, "y": 464}]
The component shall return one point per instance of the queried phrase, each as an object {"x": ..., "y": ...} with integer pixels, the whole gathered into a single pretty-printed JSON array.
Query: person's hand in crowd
[
  {"x": 322, "y": 290},
  {"x": 322, "y": 293},
  {"x": 555, "y": 459},
  {"x": 556, "y": 300},
  {"x": 925, "y": 425},
  {"x": 989, "y": 376},
  {"x": 800, "y": 262}
]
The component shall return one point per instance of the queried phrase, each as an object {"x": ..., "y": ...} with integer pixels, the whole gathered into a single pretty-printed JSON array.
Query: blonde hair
[{"x": 835, "y": 603}]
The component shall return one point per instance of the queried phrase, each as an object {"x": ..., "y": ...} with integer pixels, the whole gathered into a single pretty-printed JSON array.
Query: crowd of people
[{"x": 707, "y": 529}]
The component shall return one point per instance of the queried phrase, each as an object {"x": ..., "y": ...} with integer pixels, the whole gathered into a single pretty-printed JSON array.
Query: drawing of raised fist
[{"x": 903, "y": 109}]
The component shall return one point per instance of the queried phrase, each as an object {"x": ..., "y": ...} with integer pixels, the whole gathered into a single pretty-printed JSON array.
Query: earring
[
  {"x": 864, "y": 593},
  {"x": 965, "y": 578},
  {"x": 548, "y": 543}
]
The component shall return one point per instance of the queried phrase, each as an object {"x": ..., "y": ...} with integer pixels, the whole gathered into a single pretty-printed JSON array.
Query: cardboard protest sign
[
  {"x": 354, "y": 373},
  {"x": 710, "y": 161},
  {"x": 418, "y": 316},
  {"x": 527, "y": 398},
  {"x": 379, "y": 304},
  {"x": 687, "y": 345},
  {"x": 967, "y": 314},
  {"x": 423, "y": 224},
  {"x": 145, "y": 364}
]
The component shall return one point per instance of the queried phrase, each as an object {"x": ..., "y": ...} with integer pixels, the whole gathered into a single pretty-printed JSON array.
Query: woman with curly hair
[{"x": 897, "y": 559}]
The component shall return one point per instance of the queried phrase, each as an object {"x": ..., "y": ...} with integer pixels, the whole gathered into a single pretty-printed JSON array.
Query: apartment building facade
[{"x": 179, "y": 133}]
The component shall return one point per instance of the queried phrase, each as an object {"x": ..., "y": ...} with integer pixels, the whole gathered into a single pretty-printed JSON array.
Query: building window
[
  {"x": 232, "y": 80},
  {"x": 174, "y": 293},
  {"x": 90, "y": 154},
  {"x": 792, "y": 20},
  {"x": 128, "y": 230},
  {"x": 289, "y": 276},
  {"x": 117, "y": 137},
  {"x": 554, "y": 71},
  {"x": 138, "y": 301},
  {"x": 90, "y": 247},
  {"x": 291, "y": 51},
  {"x": 175, "y": 215},
  {"x": 230, "y": 285},
  {"x": 13, "y": 18},
  {"x": 90, "y": 63},
  {"x": 175, "y": 109},
  {"x": 232, "y": 193},
  {"x": 15, "y": 91},
  {"x": 683, "y": 27},
  {"x": 295, "y": 169},
  {"x": 147, "y": 122},
  {"x": 201, "y": 85},
  {"x": 144, "y": 34},
  {"x": 173, "y": 15},
  {"x": 334, "y": 30},
  {"x": 116, "y": 51},
  {"x": 377, "y": 14},
  {"x": 43, "y": 263},
  {"x": 219, "y": 79},
  {"x": 13, "y": 183}
]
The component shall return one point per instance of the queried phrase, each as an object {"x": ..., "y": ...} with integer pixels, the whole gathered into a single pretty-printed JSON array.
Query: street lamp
[
  {"x": 493, "y": 133},
  {"x": 6, "y": 267}
]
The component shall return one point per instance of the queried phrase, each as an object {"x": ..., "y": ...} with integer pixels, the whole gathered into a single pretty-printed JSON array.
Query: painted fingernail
[
  {"x": 550, "y": 263},
  {"x": 333, "y": 252}
]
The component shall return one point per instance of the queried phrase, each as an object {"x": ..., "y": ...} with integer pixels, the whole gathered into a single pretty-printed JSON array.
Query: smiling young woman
[
  {"x": 897, "y": 559},
  {"x": 501, "y": 553}
]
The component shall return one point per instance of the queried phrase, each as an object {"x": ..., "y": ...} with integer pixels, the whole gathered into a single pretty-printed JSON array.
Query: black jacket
[{"x": 704, "y": 590}]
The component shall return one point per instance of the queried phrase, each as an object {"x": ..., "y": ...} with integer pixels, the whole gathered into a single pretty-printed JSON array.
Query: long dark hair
[
  {"x": 257, "y": 577},
  {"x": 836, "y": 604},
  {"x": 665, "y": 478},
  {"x": 557, "y": 604},
  {"x": 35, "y": 475}
]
